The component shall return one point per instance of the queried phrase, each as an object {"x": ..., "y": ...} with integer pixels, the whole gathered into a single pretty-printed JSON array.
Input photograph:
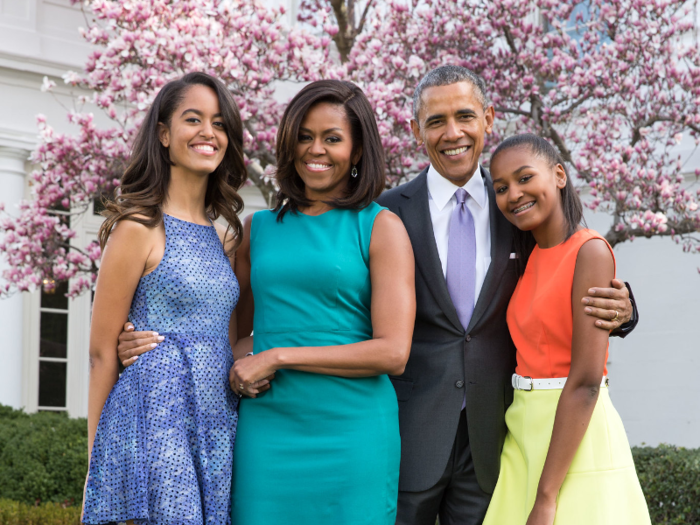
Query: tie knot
[{"x": 461, "y": 195}]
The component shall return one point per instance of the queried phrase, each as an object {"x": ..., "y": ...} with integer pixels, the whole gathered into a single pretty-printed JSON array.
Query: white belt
[{"x": 554, "y": 383}]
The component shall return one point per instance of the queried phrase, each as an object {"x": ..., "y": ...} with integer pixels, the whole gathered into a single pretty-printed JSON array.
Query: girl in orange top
[{"x": 566, "y": 459}]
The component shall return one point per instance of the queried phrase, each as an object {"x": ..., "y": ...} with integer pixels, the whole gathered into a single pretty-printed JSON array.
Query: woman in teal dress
[{"x": 327, "y": 288}]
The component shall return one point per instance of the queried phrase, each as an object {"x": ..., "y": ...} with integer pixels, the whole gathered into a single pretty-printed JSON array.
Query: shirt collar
[{"x": 441, "y": 190}]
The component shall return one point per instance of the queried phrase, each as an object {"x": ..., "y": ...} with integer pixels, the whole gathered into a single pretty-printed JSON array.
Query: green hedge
[
  {"x": 670, "y": 478},
  {"x": 14, "y": 513},
  {"x": 43, "y": 457}
]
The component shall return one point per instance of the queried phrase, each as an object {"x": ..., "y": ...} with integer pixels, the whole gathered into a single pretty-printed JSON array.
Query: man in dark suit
[{"x": 457, "y": 384}]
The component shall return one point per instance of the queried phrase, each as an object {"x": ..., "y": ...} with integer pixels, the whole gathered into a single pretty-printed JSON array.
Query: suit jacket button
[
  {"x": 468, "y": 338},
  {"x": 459, "y": 384}
]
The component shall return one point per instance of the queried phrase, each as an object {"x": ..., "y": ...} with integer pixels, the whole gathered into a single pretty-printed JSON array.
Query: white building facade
[{"x": 44, "y": 341}]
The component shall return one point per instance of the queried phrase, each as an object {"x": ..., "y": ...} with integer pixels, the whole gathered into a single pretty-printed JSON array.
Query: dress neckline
[
  {"x": 189, "y": 222},
  {"x": 562, "y": 242},
  {"x": 319, "y": 215}
]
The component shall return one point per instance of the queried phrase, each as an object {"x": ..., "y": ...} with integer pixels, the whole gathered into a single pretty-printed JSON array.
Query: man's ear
[
  {"x": 164, "y": 135},
  {"x": 415, "y": 127},
  {"x": 490, "y": 116}
]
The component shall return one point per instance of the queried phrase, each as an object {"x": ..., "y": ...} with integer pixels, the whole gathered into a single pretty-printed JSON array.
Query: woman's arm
[
  {"x": 594, "y": 268},
  {"x": 128, "y": 255},
  {"x": 228, "y": 242},
  {"x": 242, "y": 345},
  {"x": 393, "y": 312},
  {"x": 245, "y": 307}
]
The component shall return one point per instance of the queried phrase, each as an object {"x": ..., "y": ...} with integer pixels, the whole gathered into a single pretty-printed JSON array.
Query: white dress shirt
[{"x": 442, "y": 201}]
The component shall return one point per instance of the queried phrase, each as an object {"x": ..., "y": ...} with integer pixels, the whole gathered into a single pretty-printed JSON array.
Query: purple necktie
[{"x": 461, "y": 259}]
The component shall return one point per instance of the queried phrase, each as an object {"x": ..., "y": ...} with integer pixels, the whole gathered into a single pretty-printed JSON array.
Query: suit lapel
[
  {"x": 501, "y": 243},
  {"x": 415, "y": 213}
]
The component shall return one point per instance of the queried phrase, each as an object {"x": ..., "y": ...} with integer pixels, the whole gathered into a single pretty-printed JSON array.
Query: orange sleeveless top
[{"x": 540, "y": 315}]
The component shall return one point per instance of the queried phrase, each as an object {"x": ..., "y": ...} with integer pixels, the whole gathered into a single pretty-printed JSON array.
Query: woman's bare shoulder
[
  {"x": 132, "y": 227},
  {"x": 134, "y": 236},
  {"x": 389, "y": 234},
  {"x": 595, "y": 265},
  {"x": 389, "y": 221},
  {"x": 594, "y": 251}
]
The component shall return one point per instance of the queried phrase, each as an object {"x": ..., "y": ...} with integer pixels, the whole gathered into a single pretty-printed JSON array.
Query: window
[
  {"x": 582, "y": 18},
  {"x": 53, "y": 348}
]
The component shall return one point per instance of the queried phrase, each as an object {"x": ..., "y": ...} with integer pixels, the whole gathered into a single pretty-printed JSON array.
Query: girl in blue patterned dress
[{"x": 161, "y": 436}]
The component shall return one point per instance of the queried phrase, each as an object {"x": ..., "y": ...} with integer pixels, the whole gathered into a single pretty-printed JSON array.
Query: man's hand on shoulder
[{"x": 611, "y": 306}]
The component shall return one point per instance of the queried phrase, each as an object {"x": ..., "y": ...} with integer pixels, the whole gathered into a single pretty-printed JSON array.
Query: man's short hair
[{"x": 444, "y": 76}]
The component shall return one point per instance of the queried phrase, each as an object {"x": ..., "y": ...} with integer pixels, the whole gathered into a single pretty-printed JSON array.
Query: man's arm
[
  {"x": 614, "y": 307},
  {"x": 624, "y": 329}
]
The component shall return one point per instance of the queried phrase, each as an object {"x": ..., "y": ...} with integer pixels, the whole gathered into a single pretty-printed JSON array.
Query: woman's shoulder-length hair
[{"x": 370, "y": 181}]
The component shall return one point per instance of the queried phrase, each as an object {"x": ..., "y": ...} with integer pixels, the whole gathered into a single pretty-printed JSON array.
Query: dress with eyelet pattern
[{"x": 164, "y": 445}]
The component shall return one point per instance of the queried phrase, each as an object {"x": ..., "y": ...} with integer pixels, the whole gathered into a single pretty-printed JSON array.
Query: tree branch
[
  {"x": 93, "y": 266},
  {"x": 573, "y": 106},
  {"x": 344, "y": 39},
  {"x": 684, "y": 227},
  {"x": 637, "y": 135},
  {"x": 268, "y": 190},
  {"x": 522, "y": 112},
  {"x": 363, "y": 18}
]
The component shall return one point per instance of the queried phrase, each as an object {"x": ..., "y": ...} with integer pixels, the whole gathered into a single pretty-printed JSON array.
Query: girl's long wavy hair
[
  {"x": 144, "y": 184},
  {"x": 524, "y": 241}
]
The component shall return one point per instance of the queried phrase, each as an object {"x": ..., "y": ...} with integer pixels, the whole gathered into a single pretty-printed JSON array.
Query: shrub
[
  {"x": 14, "y": 513},
  {"x": 670, "y": 479},
  {"x": 43, "y": 457}
]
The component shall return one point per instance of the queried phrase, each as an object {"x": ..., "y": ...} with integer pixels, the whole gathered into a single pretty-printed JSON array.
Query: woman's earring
[{"x": 353, "y": 172}]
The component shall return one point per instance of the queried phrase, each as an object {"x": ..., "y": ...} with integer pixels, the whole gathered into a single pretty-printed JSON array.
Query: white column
[{"x": 12, "y": 174}]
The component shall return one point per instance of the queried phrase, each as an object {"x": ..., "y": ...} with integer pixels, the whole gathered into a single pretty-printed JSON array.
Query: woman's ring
[
  {"x": 617, "y": 316},
  {"x": 241, "y": 386}
]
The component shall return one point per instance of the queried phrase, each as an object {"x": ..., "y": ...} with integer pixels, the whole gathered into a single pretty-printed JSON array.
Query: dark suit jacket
[{"x": 445, "y": 359}]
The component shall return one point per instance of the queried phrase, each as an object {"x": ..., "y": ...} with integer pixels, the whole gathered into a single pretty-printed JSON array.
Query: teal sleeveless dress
[{"x": 315, "y": 449}]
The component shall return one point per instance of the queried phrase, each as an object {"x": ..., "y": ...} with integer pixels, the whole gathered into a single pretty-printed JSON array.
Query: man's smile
[{"x": 453, "y": 152}]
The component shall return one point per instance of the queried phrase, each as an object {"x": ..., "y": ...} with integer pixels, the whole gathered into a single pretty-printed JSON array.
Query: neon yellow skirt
[{"x": 601, "y": 486}]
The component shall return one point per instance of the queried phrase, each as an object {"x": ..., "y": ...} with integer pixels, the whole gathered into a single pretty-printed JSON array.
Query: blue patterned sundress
[{"x": 164, "y": 444}]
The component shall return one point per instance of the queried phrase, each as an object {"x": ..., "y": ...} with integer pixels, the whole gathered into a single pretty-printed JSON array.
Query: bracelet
[{"x": 249, "y": 353}]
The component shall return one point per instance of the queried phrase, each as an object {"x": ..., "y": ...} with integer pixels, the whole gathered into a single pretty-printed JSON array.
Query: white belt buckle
[{"x": 517, "y": 383}]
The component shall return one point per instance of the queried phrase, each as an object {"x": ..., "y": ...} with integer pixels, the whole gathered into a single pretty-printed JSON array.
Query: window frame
[{"x": 86, "y": 226}]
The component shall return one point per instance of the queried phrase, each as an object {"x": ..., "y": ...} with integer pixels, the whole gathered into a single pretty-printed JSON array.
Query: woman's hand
[
  {"x": 246, "y": 387},
  {"x": 133, "y": 344},
  {"x": 543, "y": 512},
  {"x": 251, "y": 375}
]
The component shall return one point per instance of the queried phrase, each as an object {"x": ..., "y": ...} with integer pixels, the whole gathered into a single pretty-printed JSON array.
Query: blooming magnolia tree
[
  {"x": 615, "y": 85},
  {"x": 141, "y": 45}
]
